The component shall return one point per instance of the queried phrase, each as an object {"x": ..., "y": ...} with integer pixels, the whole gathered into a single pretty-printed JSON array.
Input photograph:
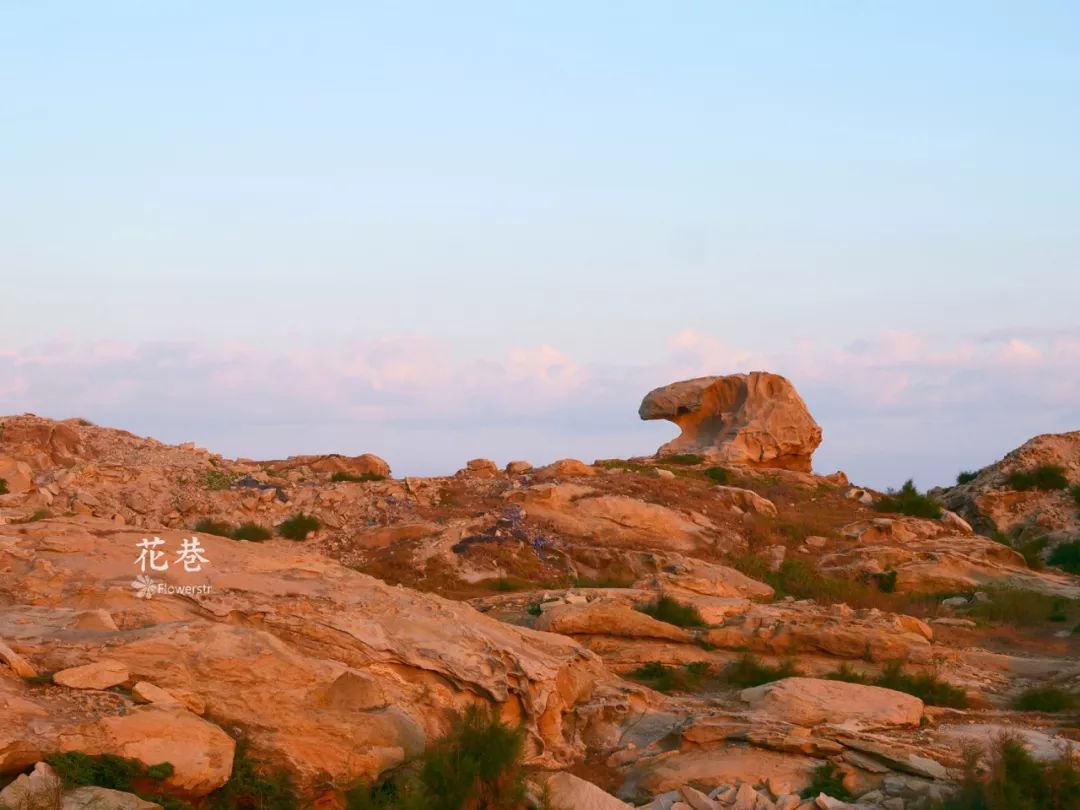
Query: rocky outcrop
[
  {"x": 810, "y": 701},
  {"x": 366, "y": 464},
  {"x": 326, "y": 670},
  {"x": 757, "y": 419},
  {"x": 992, "y": 502}
]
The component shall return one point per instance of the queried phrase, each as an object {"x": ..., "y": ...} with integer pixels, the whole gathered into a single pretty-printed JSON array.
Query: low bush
[
  {"x": 77, "y": 769},
  {"x": 928, "y": 688},
  {"x": 38, "y": 514},
  {"x": 667, "y": 609},
  {"x": 1020, "y": 607},
  {"x": 1016, "y": 781},
  {"x": 1045, "y": 699},
  {"x": 506, "y": 585},
  {"x": 1032, "y": 550},
  {"x": 750, "y": 671},
  {"x": 252, "y": 532},
  {"x": 909, "y": 501},
  {"x": 1047, "y": 477},
  {"x": 298, "y": 526},
  {"x": 476, "y": 766},
  {"x": 3, "y": 486},
  {"x": 886, "y": 581},
  {"x": 218, "y": 527},
  {"x": 689, "y": 459},
  {"x": 718, "y": 474},
  {"x": 672, "y": 679},
  {"x": 1074, "y": 490},
  {"x": 253, "y": 786},
  {"x": 1066, "y": 556},
  {"x": 357, "y": 479},
  {"x": 827, "y": 779},
  {"x": 217, "y": 480},
  {"x": 967, "y": 476}
]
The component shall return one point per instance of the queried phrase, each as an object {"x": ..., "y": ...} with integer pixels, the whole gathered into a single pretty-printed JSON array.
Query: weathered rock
[
  {"x": 518, "y": 467},
  {"x": 810, "y": 701},
  {"x": 607, "y": 619},
  {"x": 564, "y": 468},
  {"x": 98, "y": 798},
  {"x": 569, "y": 792},
  {"x": 96, "y": 675},
  {"x": 756, "y": 419},
  {"x": 146, "y": 692},
  {"x": 19, "y": 665},
  {"x": 366, "y": 464},
  {"x": 41, "y": 788}
]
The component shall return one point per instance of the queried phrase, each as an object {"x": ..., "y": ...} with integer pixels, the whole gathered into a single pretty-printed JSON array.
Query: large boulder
[
  {"x": 810, "y": 701},
  {"x": 757, "y": 419}
]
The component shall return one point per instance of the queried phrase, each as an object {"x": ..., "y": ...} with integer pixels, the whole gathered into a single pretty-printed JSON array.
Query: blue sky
[{"x": 565, "y": 204}]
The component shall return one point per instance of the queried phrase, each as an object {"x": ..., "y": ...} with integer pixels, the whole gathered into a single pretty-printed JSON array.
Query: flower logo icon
[{"x": 144, "y": 587}]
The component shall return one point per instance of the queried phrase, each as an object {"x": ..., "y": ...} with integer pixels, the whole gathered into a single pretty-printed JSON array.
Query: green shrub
[
  {"x": 357, "y": 479},
  {"x": 217, "y": 480},
  {"x": 3, "y": 486},
  {"x": 1047, "y": 477},
  {"x": 1016, "y": 781},
  {"x": 298, "y": 526},
  {"x": 1074, "y": 490},
  {"x": 886, "y": 581},
  {"x": 534, "y": 608},
  {"x": 672, "y": 679},
  {"x": 252, "y": 532},
  {"x": 1066, "y": 556},
  {"x": 827, "y": 779},
  {"x": 925, "y": 686},
  {"x": 667, "y": 609},
  {"x": 967, "y": 476},
  {"x": 1032, "y": 550},
  {"x": 476, "y": 766},
  {"x": 909, "y": 501},
  {"x": 254, "y": 787},
  {"x": 750, "y": 671},
  {"x": 847, "y": 674},
  {"x": 505, "y": 585},
  {"x": 1045, "y": 699},
  {"x": 218, "y": 527},
  {"x": 689, "y": 459},
  {"x": 1019, "y": 607},
  {"x": 718, "y": 474},
  {"x": 106, "y": 770}
]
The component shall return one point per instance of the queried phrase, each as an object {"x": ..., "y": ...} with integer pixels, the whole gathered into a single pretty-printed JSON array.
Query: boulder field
[{"x": 712, "y": 627}]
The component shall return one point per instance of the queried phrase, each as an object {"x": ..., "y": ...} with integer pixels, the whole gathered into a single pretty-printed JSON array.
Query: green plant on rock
[
  {"x": 925, "y": 686},
  {"x": 967, "y": 476},
  {"x": 689, "y": 459},
  {"x": 719, "y": 475},
  {"x": 827, "y": 779},
  {"x": 1015, "y": 781},
  {"x": 252, "y": 532},
  {"x": 476, "y": 766},
  {"x": 218, "y": 480},
  {"x": 672, "y": 611},
  {"x": 909, "y": 501},
  {"x": 254, "y": 787},
  {"x": 751, "y": 671},
  {"x": 1046, "y": 477},
  {"x": 663, "y": 678},
  {"x": 299, "y": 526},
  {"x": 1066, "y": 556},
  {"x": 357, "y": 479},
  {"x": 1044, "y": 699},
  {"x": 3, "y": 486},
  {"x": 1074, "y": 490},
  {"x": 217, "y": 527}
]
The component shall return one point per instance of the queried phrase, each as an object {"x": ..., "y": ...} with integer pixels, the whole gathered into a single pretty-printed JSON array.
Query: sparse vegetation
[
  {"x": 1019, "y": 607},
  {"x": 827, "y": 779},
  {"x": 38, "y": 514},
  {"x": 688, "y": 459},
  {"x": 1047, "y": 477},
  {"x": 77, "y": 769},
  {"x": 719, "y": 475},
  {"x": 1015, "y": 780},
  {"x": 1066, "y": 556},
  {"x": 925, "y": 686},
  {"x": 607, "y": 581},
  {"x": 209, "y": 526},
  {"x": 751, "y": 671},
  {"x": 672, "y": 611},
  {"x": 254, "y": 787},
  {"x": 299, "y": 526},
  {"x": 506, "y": 585},
  {"x": 886, "y": 581},
  {"x": 3, "y": 486},
  {"x": 251, "y": 532},
  {"x": 357, "y": 479},
  {"x": 218, "y": 480},
  {"x": 967, "y": 476},
  {"x": 663, "y": 678},
  {"x": 534, "y": 608},
  {"x": 1032, "y": 552},
  {"x": 1074, "y": 490},
  {"x": 477, "y": 766},
  {"x": 909, "y": 501},
  {"x": 1045, "y": 699}
]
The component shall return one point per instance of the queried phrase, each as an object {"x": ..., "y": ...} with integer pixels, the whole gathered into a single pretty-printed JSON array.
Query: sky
[{"x": 439, "y": 231}]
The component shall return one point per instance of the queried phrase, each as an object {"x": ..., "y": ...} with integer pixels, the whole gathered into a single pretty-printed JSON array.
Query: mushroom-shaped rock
[{"x": 757, "y": 419}]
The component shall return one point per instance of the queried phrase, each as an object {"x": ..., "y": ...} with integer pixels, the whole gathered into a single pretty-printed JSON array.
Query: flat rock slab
[
  {"x": 98, "y": 675},
  {"x": 811, "y": 701}
]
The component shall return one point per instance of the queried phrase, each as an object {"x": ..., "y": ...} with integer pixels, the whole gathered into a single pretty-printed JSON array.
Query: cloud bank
[{"x": 895, "y": 406}]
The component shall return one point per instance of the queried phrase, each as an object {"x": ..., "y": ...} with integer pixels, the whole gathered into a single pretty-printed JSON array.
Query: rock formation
[{"x": 757, "y": 419}]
